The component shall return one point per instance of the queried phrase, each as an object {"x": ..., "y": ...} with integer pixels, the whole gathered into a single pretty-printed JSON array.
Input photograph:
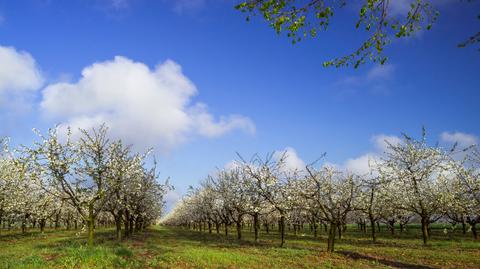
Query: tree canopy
[{"x": 301, "y": 19}]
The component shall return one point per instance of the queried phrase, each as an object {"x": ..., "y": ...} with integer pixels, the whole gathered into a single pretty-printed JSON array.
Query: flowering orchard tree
[
  {"x": 273, "y": 181},
  {"x": 420, "y": 171},
  {"x": 334, "y": 193},
  {"x": 433, "y": 186},
  {"x": 463, "y": 203},
  {"x": 93, "y": 175}
]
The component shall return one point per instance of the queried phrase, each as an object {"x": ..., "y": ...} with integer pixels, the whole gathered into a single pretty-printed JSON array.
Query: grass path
[{"x": 162, "y": 247}]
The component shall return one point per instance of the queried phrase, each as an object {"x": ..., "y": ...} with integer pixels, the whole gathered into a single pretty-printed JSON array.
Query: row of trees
[
  {"x": 413, "y": 181},
  {"x": 84, "y": 181}
]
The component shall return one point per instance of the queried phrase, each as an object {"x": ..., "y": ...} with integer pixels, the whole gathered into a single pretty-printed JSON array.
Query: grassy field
[{"x": 163, "y": 247}]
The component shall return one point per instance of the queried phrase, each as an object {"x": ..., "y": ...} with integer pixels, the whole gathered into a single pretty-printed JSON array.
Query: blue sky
[{"x": 241, "y": 87}]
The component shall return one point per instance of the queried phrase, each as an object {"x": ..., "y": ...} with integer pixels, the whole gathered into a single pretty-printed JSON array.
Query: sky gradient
[{"x": 197, "y": 82}]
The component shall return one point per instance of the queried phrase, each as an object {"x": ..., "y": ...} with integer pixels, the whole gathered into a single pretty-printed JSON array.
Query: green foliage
[{"x": 302, "y": 19}]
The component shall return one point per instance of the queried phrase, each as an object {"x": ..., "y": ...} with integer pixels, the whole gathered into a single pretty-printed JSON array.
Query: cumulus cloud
[
  {"x": 382, "y": 141},
  {"x": 18, "y": 71},
  {"x": 292, "y": 161},
  {"x": 143, "y": 106},
  {"x": 362, "y": 164},
  {"x": 462, "y": 139}
]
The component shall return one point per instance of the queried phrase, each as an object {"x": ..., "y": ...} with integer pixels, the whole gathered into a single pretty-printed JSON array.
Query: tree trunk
[
  {"x": 125, "y": 223},
  {"x": 315, "y": 229},
  {"x": 42, "y": 225},
  {"x": 57, "y": 221},
  {"x": 239, "y": 230},
  {"x": 118, "y": 227},
  {"x": 282, "y": 230},
  {"x": 331, "y": 237},
  {"x": 256, "y": 226},
  {"x": 131, "y": 225},
  {"x": 372, "y": 224},
  {"x": 24, "y": 224},
  {"x": 464, "y": 227},
  {"x": 339, "y": 227},
  {"x": 226, "y": 230},
  {"x": 391, "y": 223},
  {"x": 425, "y": 230},
  {"x": 90, "y": 223},
  {"x": 474, "y": 231}
]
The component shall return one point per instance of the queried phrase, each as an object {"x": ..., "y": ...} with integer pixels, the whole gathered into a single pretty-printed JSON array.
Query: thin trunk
[
  {"x": 372, "y": 224},
  {"x": 331, "y": 237},
  {"x": 425, "y": 230},
  {"x": 42, "y": 225},
  {"x": 90, "y": 223},
  {"x": 118, "y": 227},
  {"x": 131, "y": 225},
  {"x": 339, "y": 227},
  {"x": 474, "y": 231},
  {"x": 24, "y": 224},
  {"x": 239, "y": 230},
  {"x": 256, "y": 226},
  {"x": 125, "y": 223},
  {"x": 282, "y": 230}
]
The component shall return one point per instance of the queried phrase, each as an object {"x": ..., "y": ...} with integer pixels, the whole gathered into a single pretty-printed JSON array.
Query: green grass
[{"x": 163, "y": 247}]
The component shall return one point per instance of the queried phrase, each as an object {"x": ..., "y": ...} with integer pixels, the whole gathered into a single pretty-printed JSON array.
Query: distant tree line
[{"x": 412, "y": 182}]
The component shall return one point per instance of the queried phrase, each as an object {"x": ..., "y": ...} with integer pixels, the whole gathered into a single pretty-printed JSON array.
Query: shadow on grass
[{"x": 394, "y": 264}]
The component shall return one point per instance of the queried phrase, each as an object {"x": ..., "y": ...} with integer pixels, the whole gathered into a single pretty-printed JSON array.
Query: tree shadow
[{"x": 394, "y": 264}]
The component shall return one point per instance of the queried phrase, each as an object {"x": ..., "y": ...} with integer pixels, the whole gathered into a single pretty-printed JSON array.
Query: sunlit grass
[{"x": 162, "y": 247}]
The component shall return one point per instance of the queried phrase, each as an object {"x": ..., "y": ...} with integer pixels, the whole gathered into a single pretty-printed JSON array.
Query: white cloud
[
  {"x": 464, "y": 140},
  {"x": 18, "y": 71},
  {"x": 374, "y": 81},
  {"x": 143, "y": 106},
  {"x": 380, "y": 72},
  {"x": 292, "y": 161},
  {"x": 361, "y": 165},
  {"x": 381, "y": 141}
]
